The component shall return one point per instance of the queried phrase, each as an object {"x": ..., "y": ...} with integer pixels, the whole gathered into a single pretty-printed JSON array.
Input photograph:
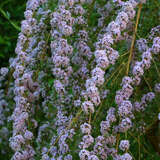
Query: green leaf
[{"x": 7, "y": 16}]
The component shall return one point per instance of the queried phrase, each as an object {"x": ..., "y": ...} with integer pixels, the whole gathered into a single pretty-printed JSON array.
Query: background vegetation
[{"x": 11, "y": 14}]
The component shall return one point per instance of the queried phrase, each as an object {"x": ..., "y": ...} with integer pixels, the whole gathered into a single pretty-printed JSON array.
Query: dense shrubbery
[
  {"x": 11, "y": 14},
  {"x": 85, "y": 82}
]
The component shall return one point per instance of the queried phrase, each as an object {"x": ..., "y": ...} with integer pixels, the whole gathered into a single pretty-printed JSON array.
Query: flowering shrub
[{"x": 78, "y": 88}]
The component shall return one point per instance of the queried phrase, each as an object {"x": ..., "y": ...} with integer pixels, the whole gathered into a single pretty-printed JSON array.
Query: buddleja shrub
[{"x": 84, "y": 83}]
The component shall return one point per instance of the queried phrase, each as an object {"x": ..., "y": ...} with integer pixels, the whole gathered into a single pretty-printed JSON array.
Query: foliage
[
  {"x": 44, "y": 110},
  {"x": 11, "y": 14}
]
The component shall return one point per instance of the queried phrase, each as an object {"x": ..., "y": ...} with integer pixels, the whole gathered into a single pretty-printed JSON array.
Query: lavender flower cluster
[{"x": 56, "y": 84}]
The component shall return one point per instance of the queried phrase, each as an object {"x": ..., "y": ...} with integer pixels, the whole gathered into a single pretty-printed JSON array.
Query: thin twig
[
  {"x": 90, "y": 116},
  {"x": 139, "y": 148},
  {"x": 150, "y": 88},
  {"x": 156, "y": 67},
  {"x": 117, "y": 140},
  {"x": 119, "y": 67},
  {"x": 137, "y": 142},
  {"x": 68, "y": 127},
  {"x": 114, "y": 73},
  {"x": 134, "y": 38}
]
